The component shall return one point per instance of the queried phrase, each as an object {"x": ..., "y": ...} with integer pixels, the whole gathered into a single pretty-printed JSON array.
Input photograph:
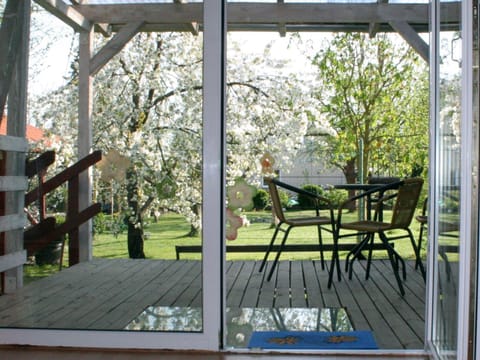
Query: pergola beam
[
  {"x": 194, "y": 27},
  {"x": 373, "y": 28},
  {"x": 67, "y": 13},
  {"x": 258, "y": 16},
  {"x": 114, "y": 46},
  {"x": 282, "y": 29},
  {"x": 412, "y": 38}
]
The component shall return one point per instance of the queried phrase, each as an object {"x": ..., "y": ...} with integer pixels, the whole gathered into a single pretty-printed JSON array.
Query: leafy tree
[{"x": 374, "y": 93}]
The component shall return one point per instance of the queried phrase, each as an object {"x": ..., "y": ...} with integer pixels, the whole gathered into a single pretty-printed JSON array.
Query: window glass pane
[
  {"x": 147, "y": 122},
  {"x": 447, "y": 204},
  {"x": 295, "y": 113}
]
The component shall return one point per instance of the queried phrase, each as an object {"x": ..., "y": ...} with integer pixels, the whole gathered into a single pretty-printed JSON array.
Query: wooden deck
[{"x": 109, "y": 294}]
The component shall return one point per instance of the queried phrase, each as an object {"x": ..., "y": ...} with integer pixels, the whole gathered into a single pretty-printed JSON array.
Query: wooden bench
[{"x": 192, "y": 249}]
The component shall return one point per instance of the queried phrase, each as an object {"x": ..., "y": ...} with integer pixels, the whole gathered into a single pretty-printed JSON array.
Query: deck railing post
[{"x": 72, "y": 213}]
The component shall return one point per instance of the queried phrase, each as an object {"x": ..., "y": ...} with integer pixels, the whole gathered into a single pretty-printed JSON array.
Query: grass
[{"x": 172, "y": 229}]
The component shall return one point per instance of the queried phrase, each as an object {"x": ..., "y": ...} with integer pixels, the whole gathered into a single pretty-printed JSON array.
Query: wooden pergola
[
  {"x": 126, "y": 19},
  {"x": 121, "y": 21}
]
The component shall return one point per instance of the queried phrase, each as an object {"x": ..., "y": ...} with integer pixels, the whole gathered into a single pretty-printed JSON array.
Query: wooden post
[
  {"x": 16, "y": 125},
  {"x": 72, "y": 213},
  {"x": 85, "y": 142}
]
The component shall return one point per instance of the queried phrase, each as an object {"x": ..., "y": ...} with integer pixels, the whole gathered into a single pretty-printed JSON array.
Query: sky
[
  {"x": 48, "y": 68},
  {"x": 50, "y": 54}
]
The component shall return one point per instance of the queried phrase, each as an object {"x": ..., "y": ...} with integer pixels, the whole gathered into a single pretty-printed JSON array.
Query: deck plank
[
  {"x": 403, "y": 317},
  {"x": 400, "y": 315},
  {"x": 297, "y": 285},
  {"x": 351, "y": 295},
  {"x": 255, "y": 286},
  {"x": 267, "y": 291},
  {"x": 312, "y": 286},
  {"x": 282, "y": 281},
  {"x": 330, "y": 297},
  {"x": 378, "y": 323},
  {"x": 238, "y": 278}
]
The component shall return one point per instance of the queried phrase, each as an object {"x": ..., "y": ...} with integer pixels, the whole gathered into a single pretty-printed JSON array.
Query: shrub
[
  {"x": 336, "y": 197},
  {"x": 100, "y": 224},
  {"x": 284, "y": 198},
  {"x": 306, "y": 202},
  {"x": 261, "y": 199}
]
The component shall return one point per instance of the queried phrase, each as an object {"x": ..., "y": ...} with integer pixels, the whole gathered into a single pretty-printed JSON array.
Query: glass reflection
[
  {"x": 447, "y": 202},
  {"x": 242, "y": 322},
  {"x": 168, "y": 318}
]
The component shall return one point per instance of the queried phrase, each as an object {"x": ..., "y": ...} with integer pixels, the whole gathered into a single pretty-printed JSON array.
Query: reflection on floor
[{"x": 242, "y": 322}]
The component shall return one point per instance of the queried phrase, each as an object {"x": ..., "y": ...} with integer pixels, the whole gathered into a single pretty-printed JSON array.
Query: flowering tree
[{"x": 148, "y": 122}]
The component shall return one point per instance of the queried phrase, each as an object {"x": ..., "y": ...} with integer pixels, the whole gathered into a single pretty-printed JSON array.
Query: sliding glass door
[
  {"x": 453, "y": 215},
  {"x": 171, "y": 163}
]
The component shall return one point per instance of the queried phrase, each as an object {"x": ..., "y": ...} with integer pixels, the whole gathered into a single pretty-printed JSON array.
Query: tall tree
[{"x": 374, "y": 93}]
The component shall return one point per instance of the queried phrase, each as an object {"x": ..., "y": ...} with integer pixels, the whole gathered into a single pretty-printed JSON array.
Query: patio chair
[
  {"x": 406, "y": 199},
  {"x": 380, "y": 180},
  {"x": 447, "y": 229},
  {"x": 285, "y": 223}
]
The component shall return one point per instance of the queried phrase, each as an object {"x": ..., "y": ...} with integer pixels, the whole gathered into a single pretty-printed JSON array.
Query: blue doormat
[{"x": 312, "y": 340}]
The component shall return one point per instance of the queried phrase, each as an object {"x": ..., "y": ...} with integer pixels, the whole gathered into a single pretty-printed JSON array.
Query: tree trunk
[
  {"x": 351, "y": 177},
  {"x": 194, "y": 230},
  {"x": 134, "y": 218}
]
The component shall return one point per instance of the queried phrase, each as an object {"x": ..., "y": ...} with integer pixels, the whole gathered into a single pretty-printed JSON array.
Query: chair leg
[
  {"x": 369, "y": 260},
  {"x": 335, "y": 261},
  {"x": 448, "y": 268},
  {"x": 419, "y": 247},
  {"x": 393, "y": 261},
  {"x": 332, "y": 268},
  {"x": 269, "y": 249},
  {"x": 272, "y": 269},
  {"x": 416, "y": 249},
  {"x": 356, "y": 252},
  {"x": 399, "y": 260},
  {"x": 320, "y": 242}
]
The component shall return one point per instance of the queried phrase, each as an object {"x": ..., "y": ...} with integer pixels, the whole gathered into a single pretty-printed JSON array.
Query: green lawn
[{"x": 172, "y": 229}]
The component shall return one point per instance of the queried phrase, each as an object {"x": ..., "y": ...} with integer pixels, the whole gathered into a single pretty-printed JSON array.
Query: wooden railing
[
  {"x": 45, "y": 230},
  {"x": 13, "y": 184}
]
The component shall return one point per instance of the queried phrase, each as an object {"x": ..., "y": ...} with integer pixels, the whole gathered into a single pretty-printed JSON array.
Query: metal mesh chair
[
  {"x": 406, "y": 199},
  {"x": 285, "y": 223}
]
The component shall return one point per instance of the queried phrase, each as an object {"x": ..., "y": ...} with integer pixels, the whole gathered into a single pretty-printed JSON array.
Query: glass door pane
[
  {"x": 147, "y": 267},
  {"x": 286, "y": 120},
  {"x": 445, "y": 225}
]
